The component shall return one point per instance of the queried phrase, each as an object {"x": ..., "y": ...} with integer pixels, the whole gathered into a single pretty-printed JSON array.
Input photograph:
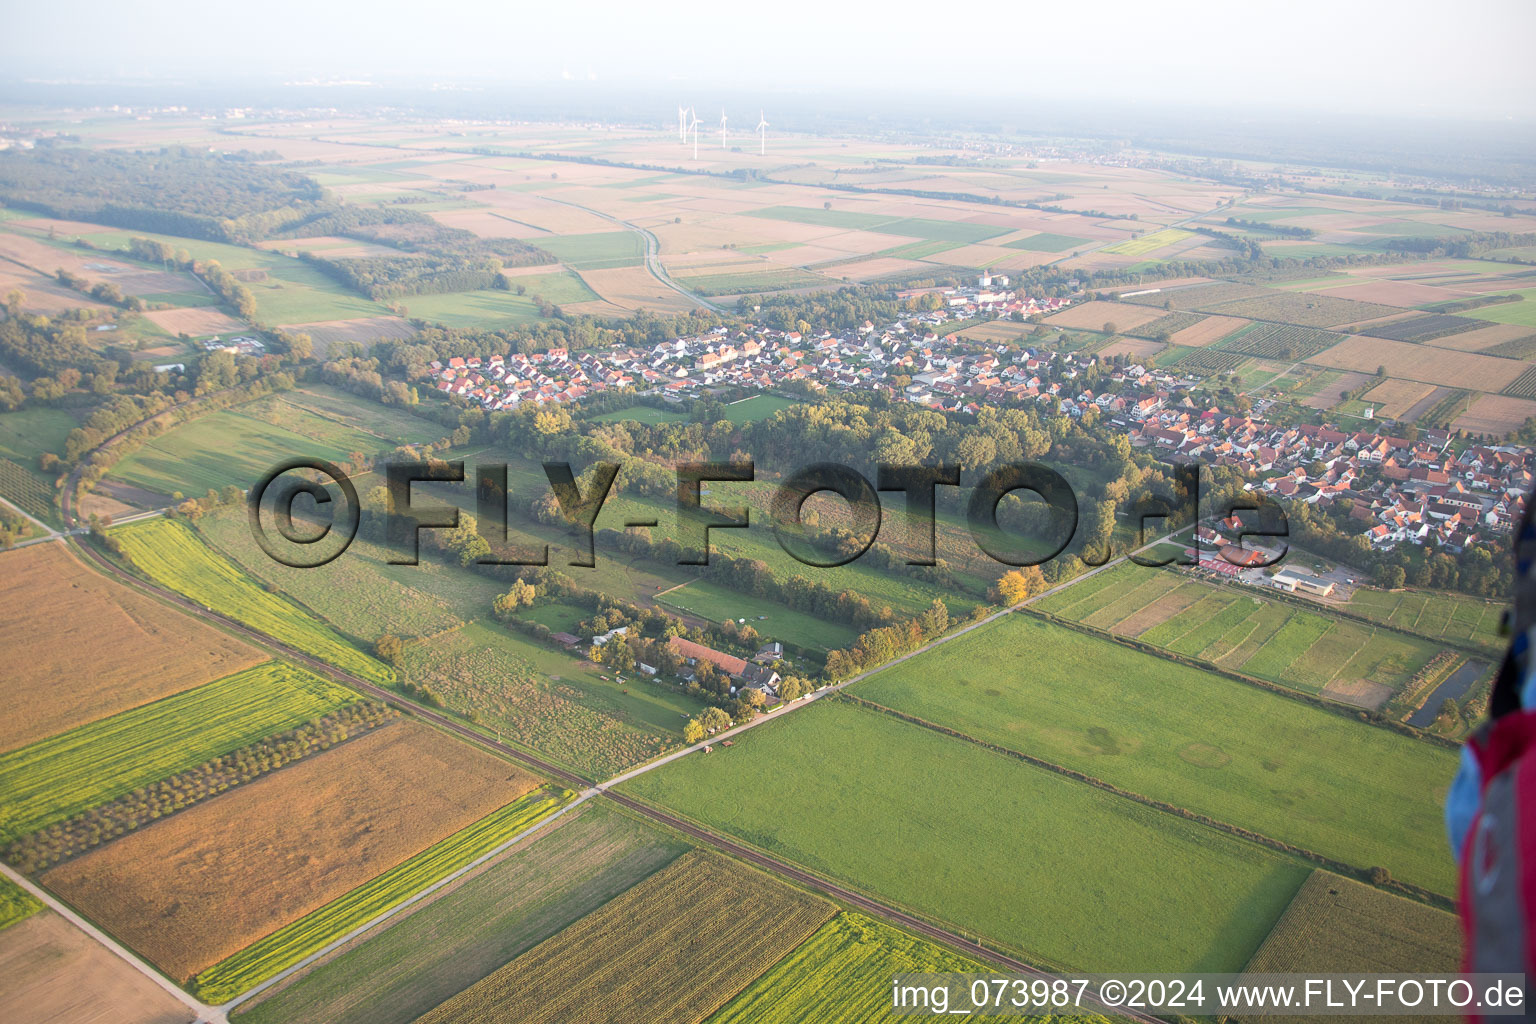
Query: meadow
[
  {"x": 1241, "y": 630},
  {"x": 488, "y": 307},
  {"x": 1435, "y": 614},
  {"x": 1060, "y": 872},
  {"x": 566, "y": 871},
  {"x": 197, "y": 887},
  {"x": 758, "y": 407},
  {"x": 80, "y": 647},
  {"x": 28, "y": 433},
  {"x": 318, "y": 929},
  {"x": 602, "y": 250},
  {"x": 59, "y": 777},
  {"x": 1264, "y": 762},
  {"x": 233, "y": 447},
  {"x": 641, "y": 414},
  {"x": 673, "y": 948},
  {"x": 168, "y": 552}
]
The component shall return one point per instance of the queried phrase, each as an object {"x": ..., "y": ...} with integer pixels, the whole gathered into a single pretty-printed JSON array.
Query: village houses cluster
[{"x": 1401, "y": 491}]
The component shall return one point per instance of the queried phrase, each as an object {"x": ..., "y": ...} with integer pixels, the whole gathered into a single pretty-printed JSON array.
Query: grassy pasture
[
  {"x": 765, "y": 278},
  {"x": 1241, "y": 630},
  {"x": 352, "y": 413},
  {"x": 912, "y": 227},
  {"x": 1522, "y": 313},
  {"x": 1262, "y": 762},
  {"x": 237, "y": 447},
  {"x": 1062, "y": 872},
  {"x": 168, "y": 552},
  {"x": 589, "y": 857},
  {"x": 645, "y": 956},
  {"x": 488, "y": 307},
  {"x": 56, "y": 778},
  {"x": 28, "y": 433},
  {"x": 293, "y": 942}
]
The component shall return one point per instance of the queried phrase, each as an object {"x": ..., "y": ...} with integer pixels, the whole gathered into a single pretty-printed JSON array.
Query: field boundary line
[
  {"x": 1174, "y": 810},
  {"x": 203, "y": 1010}
]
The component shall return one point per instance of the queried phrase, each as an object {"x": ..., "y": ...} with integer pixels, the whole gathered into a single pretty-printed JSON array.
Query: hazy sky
[{"x": 1400, "y": 56}]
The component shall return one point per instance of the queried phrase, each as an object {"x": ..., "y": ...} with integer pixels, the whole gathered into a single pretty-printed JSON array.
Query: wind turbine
[
  {"x": 762, "y": 134},
  {"x": 722, "y": 127},
  {"x": 682, "y": 124},
  {"x": 694, "y": 124}
]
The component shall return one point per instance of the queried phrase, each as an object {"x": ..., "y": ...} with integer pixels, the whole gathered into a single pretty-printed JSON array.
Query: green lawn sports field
[
  {"x": 1045, "y": 866},
  {"x": 1172, "y": 732}
]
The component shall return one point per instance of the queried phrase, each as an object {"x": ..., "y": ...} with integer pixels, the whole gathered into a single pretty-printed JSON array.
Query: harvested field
[
  {"x": 1339, "y": 924},
  {"x": 1393, "y": 398},
  {"x": 1495, "y": 415},
  {"x": 80, "y": 647},
  {"x": 1092, "y": 316},
  {"x": 1138, "y": 350},
  {"x": 195, "y": 322},
  {"x": 1360, "y": 692},
  {"x": 1391, "y": 293},
  {"x": 1208, "y": 331},
  {"x": 196, "y": 887},
  {"x": 1422, "y": 363},
  {"x": 674, "y": 948},
  {"x": 1329, "y": 390},
  {"x": 636, "y": 288},
  {"x": 52, "y": 971},
  {"x": 1488, "y": 339}
]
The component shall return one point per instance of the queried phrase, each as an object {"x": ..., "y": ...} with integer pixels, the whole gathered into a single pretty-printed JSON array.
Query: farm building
[
  {"x": 692, "y": 652},
  {"x": 565, "y": 639},
  {"x": 1292, "y": 580}
]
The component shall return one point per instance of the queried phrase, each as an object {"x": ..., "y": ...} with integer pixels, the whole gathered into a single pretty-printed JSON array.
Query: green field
[
  {"x": 641, "y": 414},
  {"x": 236, "y": 446},
  {"x": 1240, "y": 630},
  {"x": 1148, "y": 243},
  {"x": 1059, "y": 871},
  {"x": 292, "y": 292},
  {"x": 602, "y": 250},
  {"x": 592, "y": 855},
  {"x": 27, "y": 434},
  {"x": 715, "y": 603},
  {"x": 171, "y": 554},
  {"x": 1045, "y": 241},
  {"x": 911, "y": 227},
  {"x": 843, "y": 973},
  {"x": 489, "y": 307},
  {"x": 758, "y": 407},
  {"x": 56, "y": 778},
  {"x": 1434, "y": 614},
  {"x": 352, "y": 414},
  {"x": 560, "y": 287},
  {"x": 1522, "y": 312},
  {"x": 764, "y": 278},
  {"x": 317, "y": 929},
  {"x": 16, "y": 904},
  {"x": 1177, "y": 734}
]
